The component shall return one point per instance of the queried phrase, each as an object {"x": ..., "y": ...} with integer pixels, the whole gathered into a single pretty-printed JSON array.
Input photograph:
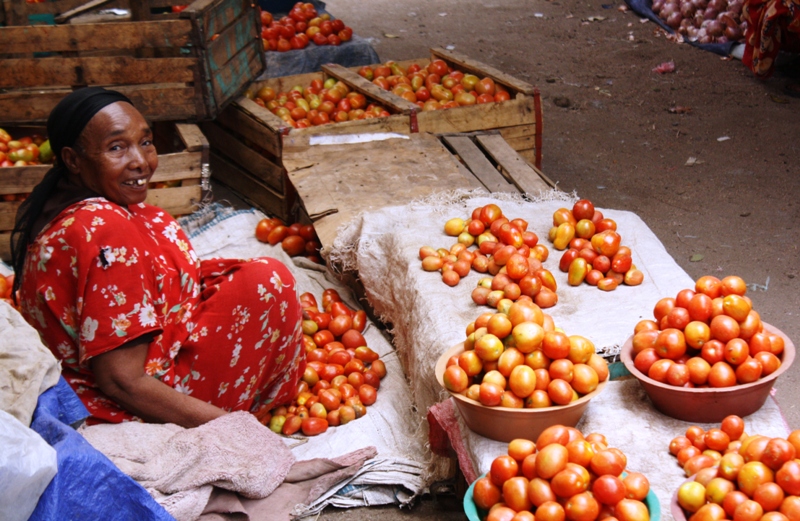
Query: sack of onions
[{"x": 703, "y": 21}]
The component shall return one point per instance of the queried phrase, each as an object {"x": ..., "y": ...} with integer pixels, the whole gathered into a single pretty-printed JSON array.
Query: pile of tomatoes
[
  {"x": 319, "y": 103},
  {"x": 300, "y": 27},
  {"x": 516, "y": 358},
  {"x": 24, "y": 151},
  {"x": 594, "y": 254},
  {"x": 296, "y": 239},
  {"x": 564, "y": 475},
  {"x": 706, "y": 336},
  {"x": 736, "y": 476},
  {"x": 507, "y": 250},
  {"x": 435, "y": 86},
  {"x": 342, "y": 374}
]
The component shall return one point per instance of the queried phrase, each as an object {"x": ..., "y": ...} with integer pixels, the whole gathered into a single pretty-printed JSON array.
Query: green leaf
[{"x": 697, "y": 257}]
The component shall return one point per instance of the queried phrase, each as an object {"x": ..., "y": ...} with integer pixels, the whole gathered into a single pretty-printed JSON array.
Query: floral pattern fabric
[
  {"x": 224, "y": 331},
  {"x": 772, "y": 25}
]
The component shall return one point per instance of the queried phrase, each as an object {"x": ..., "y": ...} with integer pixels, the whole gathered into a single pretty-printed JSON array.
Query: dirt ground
[{"x": 609, "y": 136}]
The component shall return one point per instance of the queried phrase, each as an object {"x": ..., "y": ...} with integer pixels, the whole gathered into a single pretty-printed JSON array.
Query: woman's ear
[{"x": 70, "y": 157}]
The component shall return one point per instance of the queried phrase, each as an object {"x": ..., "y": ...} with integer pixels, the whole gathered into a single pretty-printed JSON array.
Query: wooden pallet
[{"x": 488, "y": 161}]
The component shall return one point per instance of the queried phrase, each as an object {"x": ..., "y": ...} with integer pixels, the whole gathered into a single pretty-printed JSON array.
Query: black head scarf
[{"x": 55, "y": 193}]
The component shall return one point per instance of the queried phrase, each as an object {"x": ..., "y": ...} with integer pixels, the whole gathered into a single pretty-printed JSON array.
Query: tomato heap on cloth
[{"x": 507, "y": 250}]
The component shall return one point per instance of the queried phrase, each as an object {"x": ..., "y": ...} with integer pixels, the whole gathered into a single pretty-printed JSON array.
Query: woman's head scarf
[{"x": 64, "y": 126}]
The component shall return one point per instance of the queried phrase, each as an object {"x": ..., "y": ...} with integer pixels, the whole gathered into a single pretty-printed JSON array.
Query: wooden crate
[
  {"x": 247, "y": 140},
  {"x": 185, "y": 68},
  {"x": 183, "y": 161},
  {"x": 518, "y": 120}
]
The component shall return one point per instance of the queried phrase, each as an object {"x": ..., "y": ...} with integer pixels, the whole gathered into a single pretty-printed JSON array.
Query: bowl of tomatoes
[
  {"x": 508, "y": 423},
  {"x": 715, "y": 399}
]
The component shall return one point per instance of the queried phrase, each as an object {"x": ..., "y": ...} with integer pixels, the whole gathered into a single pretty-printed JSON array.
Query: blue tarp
[{"x": 88, "y": 485}]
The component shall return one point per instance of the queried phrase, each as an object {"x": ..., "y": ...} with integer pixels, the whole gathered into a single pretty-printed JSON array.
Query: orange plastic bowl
[
  {"x": 709, "y": 404},
  {"x": 505, "y": 423}
]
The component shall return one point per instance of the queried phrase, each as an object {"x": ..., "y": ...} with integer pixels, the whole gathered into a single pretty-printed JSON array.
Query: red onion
[
  {"x": 658, "y": 5},
  {"x": 733, "y": 33},
  {"x": 710, "y": 14},
  {"x": 700, "y": 4},
  {"x": 735, "y": 7},
  {"x": 687, "y": 10},
  {"x": 667, "y": 11},
  {"x": 715, "y": 28},
  {"x": 718, "y": 5},
  {"x": 674, "y": 20},
  {"x": 698, "y": 19}
]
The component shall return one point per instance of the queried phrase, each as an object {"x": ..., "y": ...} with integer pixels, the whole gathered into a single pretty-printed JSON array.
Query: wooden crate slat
[
  {"x": 391, "y": 100},
  {"x": 523, "y": 176},
  {"x": 224, "y": 143},
  {"x": 94, "y": 37},
  {"x": 467, "y": 64},
  {"x": 518, "y": 131},
  {"x": 476, "y": 161},
  {"x": 33, "y": 72},
  {"x": 233, "y": 78},
  {"x": 178, "y": 166},
  {"x": 486, "y": 116},
  {"x": 21, "y": 179},
  {"x": 249, "y": 188},
  {"x": 81, "y": 9},
  {"x": 254, "y": 123},
  {"x": 242, "y": 34},
  {"x": 521, "y": 143},
  {"x": 215, "y": 15},
  {"x": 8, "y": 213},
  {"x": 177, "y": 201},
  {"x": 5, "y": 247},
  {"x": 397, "y": 123},
  {"x": 191, "y": 136}
]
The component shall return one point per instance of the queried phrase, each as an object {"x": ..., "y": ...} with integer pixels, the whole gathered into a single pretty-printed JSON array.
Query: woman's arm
[{"x": 119, "y": 373}]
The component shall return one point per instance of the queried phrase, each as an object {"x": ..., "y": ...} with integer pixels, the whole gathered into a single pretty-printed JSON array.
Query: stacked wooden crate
[
  {"x": 177, "y": 68},
  {"x": 247, "y": 140}
]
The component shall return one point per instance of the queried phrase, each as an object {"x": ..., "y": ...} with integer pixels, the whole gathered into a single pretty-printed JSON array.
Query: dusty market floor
[{"x": 609, "y": 135}]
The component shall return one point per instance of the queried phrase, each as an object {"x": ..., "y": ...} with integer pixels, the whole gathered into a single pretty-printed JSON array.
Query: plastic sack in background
[{"x": 27, "y": 465}]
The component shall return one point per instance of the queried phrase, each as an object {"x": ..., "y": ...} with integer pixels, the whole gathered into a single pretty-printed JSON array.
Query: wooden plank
[
  {"x": 248, "y": 188},
  {"x": 249, "y": 120},
  {"x": 8, "y": 214},
  {"x": 362, "y": 176},
  {"x": 470, "y": 177},
  {"x": 21, "y": 179},
  {"x": 476, "y": 161},
  {"x": 178, "y": 166},
  {"x": 5, "y": 247},
  {"x": 522, "y": 143},
  {"x": 191, "y": 136},
  {"x": 94, "y": 37},
  {"x": 477, "y": 117},
  {"x": 231, "y": 147},
  {"x": 177, "y": 201},
  {"x": 231, "y": 80},
  {"x": 88, "y": 6},
  {"x": 235, "y": 38},
  {"x": 369, "y": 89},
  {"x": 397, "y": 124},
  {"x": 285, "y": 83},
  {"x": 17, "y": 11},
  {"x": 518, "y": 131},
  {"x": 33, "y": 72},
  {"x": 467, "y": 64},
  {"x": 523, "y": 176}
]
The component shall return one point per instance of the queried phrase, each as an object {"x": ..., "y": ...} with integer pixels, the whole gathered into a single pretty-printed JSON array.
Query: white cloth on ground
[
  {"x": 390, "y": 425},
  {"x": 428, "y": 317}
]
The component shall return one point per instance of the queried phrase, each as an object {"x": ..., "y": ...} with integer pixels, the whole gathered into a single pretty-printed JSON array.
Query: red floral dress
[
  {"x": 773, "y": 25},
  {"x": 225, "y": 331}
]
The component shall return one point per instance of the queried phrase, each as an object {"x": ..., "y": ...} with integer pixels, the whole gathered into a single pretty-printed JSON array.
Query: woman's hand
[{"x": 119, "y": 373}]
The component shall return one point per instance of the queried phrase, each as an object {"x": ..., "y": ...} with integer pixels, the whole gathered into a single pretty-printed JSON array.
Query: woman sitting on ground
[{"x": 143, "y": 328}]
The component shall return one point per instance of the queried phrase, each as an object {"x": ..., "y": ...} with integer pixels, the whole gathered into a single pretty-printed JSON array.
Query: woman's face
[{"x": 115, "y": 155}]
